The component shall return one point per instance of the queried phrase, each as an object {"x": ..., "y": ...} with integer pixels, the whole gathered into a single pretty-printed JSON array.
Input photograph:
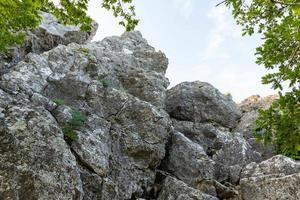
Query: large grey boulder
[
  {"x": 178, "y": 190},
  {"x": 275, "y": 178},
  {"x": 188, "y": 161},
  {"x": 201, "y": 102}
]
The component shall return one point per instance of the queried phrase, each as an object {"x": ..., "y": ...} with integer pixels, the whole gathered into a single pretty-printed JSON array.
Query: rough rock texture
[
  {"x": 178, "y": 190},
  {"x": 255, "y": 102},
  {"x": 49, "y": 35},
  {"x": 275, "y": 178},
  {"x": 95, "y": 121},
  {"x": 123, "y": 139},
  {"x": 213, "y": 156},
  {"x": 249, "y": 108},
  {"x": 35, "y": 161},
  {"x": 197, "y": 165},
  {"x": 201, "y": 102}
]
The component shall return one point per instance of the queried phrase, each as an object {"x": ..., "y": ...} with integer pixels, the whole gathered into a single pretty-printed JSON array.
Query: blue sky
[{"x": 201, "y": 41}]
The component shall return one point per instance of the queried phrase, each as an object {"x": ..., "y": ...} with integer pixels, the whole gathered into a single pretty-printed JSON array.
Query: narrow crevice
[
  {"x": 82, "y": 163},
  {"x": 160, "y": 174}
]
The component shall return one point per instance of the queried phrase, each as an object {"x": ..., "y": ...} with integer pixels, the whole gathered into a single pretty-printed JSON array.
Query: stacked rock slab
[
  {"x": 138, "y": 140},
  {"x": 213, "y": 156}
]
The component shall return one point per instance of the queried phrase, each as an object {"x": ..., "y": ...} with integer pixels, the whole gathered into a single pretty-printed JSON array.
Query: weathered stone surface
[
  {"x": 201, "y": 102},
  {"x": 178, "y": 190},
  {"x": 48, "y": 35},
  {"x": 233, "y": 153},
  {"x": 35, "y": 161},
  {"x": 188, "y": 161},
  {"x": 271, "y": 187},
  {"x": 255, "y": 102},
  {"x": 214, "y": 188},
  {"x": 246, "y": 125},
  {"x": 276, "y": 165},
  {"x": 204, "y": 134},
  {"x": 137, "y": 143},
  {"x": 229, "y": 151},
  {"x": 119, "y": 86},
  {"x": 275, "y": 178}
]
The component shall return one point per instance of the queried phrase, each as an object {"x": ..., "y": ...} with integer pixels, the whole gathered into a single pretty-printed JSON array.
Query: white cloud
[
  {"x": 185, "y": 7},
  {"x": 222, "y": 29}
]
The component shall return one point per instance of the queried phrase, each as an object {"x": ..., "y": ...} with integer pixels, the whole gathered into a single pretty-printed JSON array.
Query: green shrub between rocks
[
  {"x": 280, "y": 125},
  {"x": 77, "y": 120},
  {"x": 83, "y": 50},
  {"x": 59, "y": 102},
  {"x": 105, "y": 82}
]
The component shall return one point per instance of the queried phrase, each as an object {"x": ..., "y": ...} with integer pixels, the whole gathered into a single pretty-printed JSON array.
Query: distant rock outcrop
[
  {"x": 249, "y": 108},
  {"x": 95, "y": 121}
]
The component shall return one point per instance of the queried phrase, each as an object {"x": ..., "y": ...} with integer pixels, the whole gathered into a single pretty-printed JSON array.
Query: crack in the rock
[{"x": 82, "y": 163}]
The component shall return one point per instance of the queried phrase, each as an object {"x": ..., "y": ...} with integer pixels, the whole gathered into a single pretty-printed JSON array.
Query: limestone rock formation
[
  {"x": 94, "y": 121},
  {"x": 48, "y": 35},
  {"x": 124, "y": 137}
]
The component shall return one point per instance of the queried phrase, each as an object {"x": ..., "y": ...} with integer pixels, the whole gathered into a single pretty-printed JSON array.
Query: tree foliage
[
  {"x": 279, "y": 23},
  {"x": 19, "y": 16}
]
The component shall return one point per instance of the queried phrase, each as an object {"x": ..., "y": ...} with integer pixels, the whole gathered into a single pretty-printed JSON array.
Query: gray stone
[
  {"x": 228, "y": 150},
  {"x": 275, "y": 187},
  {"x": 275, "y": 178},
  {"x": 126, "y": 146},
  {"x": 119, "y": 85},
  {"x": 201, "y": 102},
  {"x": 233, "y": 153},
  {"x": 35, "y": 162},
  {"x": 255, "y": 102},
  {"x": 188, "y": 161},
  {"x": 177, "y": 190},
  {"x": 48, "y": 35},
  {"x": 276, "y": 165},
  {"x": 246, "y": 126},
  {"x": 214, "y": 188}
]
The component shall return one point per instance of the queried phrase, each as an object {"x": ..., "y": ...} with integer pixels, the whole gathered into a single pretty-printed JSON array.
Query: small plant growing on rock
[
  {"x": 83, "y": 50},
  {"x": 77, "y": 120},
  {"x": 69, "y": 134},
  {"x": 92, "y": 57},
  {"x": 228, "y": 95},
  {"x": 59, "y": 102},
  {"x": 104, "y": 82}
]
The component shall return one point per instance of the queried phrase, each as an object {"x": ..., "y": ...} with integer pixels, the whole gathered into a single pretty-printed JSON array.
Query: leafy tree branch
[
  {"x": 279, "y": 24},
  {"x": 19, "y": 16}
]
